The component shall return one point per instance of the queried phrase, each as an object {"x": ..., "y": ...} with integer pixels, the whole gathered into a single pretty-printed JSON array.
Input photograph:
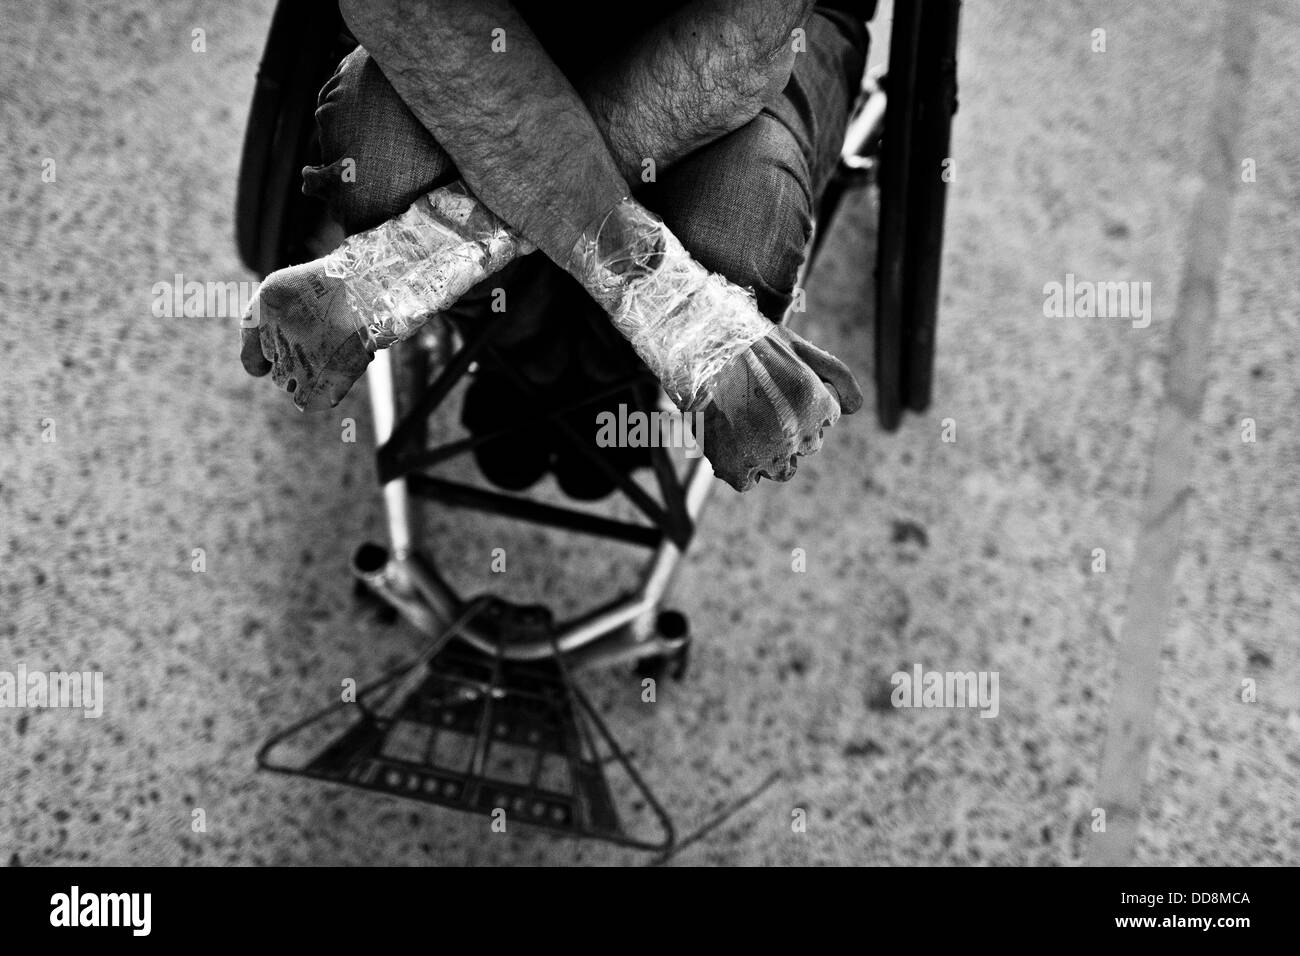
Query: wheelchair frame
[{"x": 273, "y": 223}]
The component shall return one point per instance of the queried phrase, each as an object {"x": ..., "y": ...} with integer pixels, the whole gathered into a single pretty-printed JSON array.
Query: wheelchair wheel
[
  {"x": 274, "y": 221},
  {"x": 921, "y": 90}
]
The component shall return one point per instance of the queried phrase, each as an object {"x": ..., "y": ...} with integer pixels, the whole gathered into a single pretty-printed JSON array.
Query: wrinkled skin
[{"x": 770, "y": 404}]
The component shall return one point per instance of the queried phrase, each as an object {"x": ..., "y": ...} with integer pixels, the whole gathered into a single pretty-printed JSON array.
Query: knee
[
  {"x": 376, "y": 157},
  {"x": 743, "y": 208},
  {"x": 758, "y": 238}
]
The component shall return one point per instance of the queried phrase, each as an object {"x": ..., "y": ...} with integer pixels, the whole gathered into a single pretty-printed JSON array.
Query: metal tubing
[
  {"x": 383, "y": 410},
  {"x": 430, "y": 604}
]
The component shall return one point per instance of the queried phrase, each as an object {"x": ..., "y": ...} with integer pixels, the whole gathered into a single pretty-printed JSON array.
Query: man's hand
[
  {"x": 317, "y": 324},
  {"x": 770, "y": 405},
  {"x": 300, "y": 329}
]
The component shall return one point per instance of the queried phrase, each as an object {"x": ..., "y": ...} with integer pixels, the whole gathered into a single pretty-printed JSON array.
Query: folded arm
[
  {"x": 550, "y": 159},
  {"x": 516, "y": 129}
]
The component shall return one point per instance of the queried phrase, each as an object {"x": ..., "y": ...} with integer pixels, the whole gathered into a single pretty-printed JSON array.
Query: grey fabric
[
  {"x": 378, "y": 158},
  {"x": 743, "y": 205}
]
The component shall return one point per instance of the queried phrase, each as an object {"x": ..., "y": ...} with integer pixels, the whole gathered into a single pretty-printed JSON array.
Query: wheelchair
[{"x": 497, "y": 676}]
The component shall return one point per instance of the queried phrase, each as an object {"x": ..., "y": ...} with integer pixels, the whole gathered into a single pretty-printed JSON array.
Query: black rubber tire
[
  {"x": 273, "y": 219},
  {"x": 922, "y": 88}
]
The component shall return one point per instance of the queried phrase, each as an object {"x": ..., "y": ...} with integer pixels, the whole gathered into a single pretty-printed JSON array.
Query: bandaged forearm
[
  {"x": 685, "y": 323},
  {"x": 402, "y": 272}
]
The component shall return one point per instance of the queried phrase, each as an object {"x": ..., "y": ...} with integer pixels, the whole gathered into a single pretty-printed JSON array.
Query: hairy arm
[
  {"x": 547, "y": 158},
  {"x": 701, "y": 73},
  {"x": 516, "y": 129}
]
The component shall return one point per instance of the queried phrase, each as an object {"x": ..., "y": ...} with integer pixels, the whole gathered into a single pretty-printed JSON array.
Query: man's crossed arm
[{"x": 550, "y": 159}]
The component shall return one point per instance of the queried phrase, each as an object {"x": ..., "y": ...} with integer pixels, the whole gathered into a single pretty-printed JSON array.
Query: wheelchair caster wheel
[
  {"x": 680, "y": 662},
  {"x": 365, "y": 597},
  {"x": 670, "y": 626}
]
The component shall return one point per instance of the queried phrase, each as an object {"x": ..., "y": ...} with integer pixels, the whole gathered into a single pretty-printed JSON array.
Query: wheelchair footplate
[{"x": 514, "y": 741}]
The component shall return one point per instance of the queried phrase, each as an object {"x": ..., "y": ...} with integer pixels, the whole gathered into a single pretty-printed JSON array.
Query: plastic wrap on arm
[
  {"x": 685, "y": 322},
  {"x": 402, "y": 272}
]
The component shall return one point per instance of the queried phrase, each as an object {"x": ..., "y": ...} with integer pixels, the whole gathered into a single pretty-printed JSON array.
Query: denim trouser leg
[
  {"x": 394, "y": 160},
  {"x": 742, "y": 205}
]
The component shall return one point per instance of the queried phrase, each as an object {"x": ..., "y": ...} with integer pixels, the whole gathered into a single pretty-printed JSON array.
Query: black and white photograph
[{"x": 674, "y": 433}]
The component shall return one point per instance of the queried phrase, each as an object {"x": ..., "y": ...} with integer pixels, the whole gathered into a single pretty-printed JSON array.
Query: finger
[
  {"x": 744, "y": 480},
  {"x": 286, "y": 363},
  {"x": 829, "y": 407},
  {"x": 741, "y": 483},
  {"x": 722, "y": 450},
  {"x": 811, "y": 444},
  {"x": 327, "y": 388},
  {"x": 729, "y": 469},
  {"x": 781, "y": 468},
  {"x": 250, "y": 352},
  {"x": 306, "y": 395},
  {"x": 328, "y": 382},
  {"x": 832, "y": 371}
]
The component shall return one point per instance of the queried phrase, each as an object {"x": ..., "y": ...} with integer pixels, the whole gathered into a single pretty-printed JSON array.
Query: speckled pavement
[{"x": 973, "y": 554}]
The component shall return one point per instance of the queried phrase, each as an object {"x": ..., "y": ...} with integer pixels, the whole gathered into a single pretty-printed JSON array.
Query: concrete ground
[{"x": 974, "y": 554}]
